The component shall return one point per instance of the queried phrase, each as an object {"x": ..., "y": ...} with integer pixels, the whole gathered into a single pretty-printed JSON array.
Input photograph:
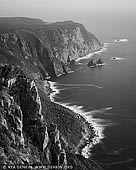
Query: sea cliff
[
  {"x": 35, "y": 131},
  {"x": 45, "y": 47}
]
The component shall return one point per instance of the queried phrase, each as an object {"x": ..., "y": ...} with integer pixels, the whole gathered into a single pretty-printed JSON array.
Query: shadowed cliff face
[
  {"x": 34, "y": 130},
  {"x": 24, "y": 49},
  {"x": 44, "y": 48}
]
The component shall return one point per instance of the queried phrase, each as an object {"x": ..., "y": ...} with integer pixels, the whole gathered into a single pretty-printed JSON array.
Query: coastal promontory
[
  {"x": 45, "y": 47},
  {"x": 34, "y": 131}
]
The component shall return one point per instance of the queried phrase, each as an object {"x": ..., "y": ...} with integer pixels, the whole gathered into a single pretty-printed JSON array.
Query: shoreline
[
  {"x": 94, "y": 125},
  {"x": 93, "y": 53}
]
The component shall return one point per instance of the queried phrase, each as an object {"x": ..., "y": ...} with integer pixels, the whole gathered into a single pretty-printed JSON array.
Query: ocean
[{"x": 106, "y": 96}]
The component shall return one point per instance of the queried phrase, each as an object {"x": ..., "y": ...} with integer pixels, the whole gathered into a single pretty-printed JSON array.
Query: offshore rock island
[{"x": 33, "y": 129}]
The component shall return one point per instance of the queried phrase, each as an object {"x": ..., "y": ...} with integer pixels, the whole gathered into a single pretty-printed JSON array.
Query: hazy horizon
[{"x": 98, "y": 16}]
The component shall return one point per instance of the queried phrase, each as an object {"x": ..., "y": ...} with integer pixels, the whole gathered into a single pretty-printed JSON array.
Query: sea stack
[{"x": 33, "y": 129}]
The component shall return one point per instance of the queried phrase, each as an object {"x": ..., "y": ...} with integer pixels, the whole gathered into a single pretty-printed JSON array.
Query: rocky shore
[
  {"x": 92, "y": 137},
  {"x": 35, "y": 131},
  {"x": 45, "y": 48}
]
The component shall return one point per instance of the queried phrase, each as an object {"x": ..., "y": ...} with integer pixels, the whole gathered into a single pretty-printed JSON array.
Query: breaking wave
[
  {"x": 80, "y": 85},
  {"x": 103, "y": 110},
  {"x": 118, "y": 58},
  {"x": 121, "y": 40},
  {"x": 92, "y": 54},
  {"x": 88, "y": 115}
]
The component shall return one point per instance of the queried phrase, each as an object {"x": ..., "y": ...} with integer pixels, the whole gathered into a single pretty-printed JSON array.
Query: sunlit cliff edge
[
  {"x": 48, "y": 48},
  {"x": 33, "y": 129}
]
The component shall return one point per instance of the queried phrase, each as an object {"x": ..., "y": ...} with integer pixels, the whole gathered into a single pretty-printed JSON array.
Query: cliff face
[
  {"x": 34, "y": 130},
  {"x": 47, "y": 48}
]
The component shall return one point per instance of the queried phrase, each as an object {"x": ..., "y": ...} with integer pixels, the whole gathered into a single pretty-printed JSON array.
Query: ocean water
[{"x": 107, "y": 96}]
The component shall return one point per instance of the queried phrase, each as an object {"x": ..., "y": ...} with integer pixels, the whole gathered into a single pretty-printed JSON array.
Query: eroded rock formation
[
  {"x": 34, "y": 130},
  {"x": 47, "y": 48}
]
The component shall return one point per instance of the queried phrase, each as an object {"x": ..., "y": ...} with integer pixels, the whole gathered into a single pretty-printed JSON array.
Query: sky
[
  {"x": 63, "y": 9},
  {"x": 93, "y": 13}
]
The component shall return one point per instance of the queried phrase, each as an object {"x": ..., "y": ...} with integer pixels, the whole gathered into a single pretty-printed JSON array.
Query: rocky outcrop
[
  {"x": 45, "y": 48},
  {"x": 34, "y": 130}
]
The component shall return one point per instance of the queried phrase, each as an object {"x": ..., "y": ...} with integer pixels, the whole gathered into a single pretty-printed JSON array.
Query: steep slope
[
  {"x": 48, "y": 48},
  {"x": 33, "y": 130}
]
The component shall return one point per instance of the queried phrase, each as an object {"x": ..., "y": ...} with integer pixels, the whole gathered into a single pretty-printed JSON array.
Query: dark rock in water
[
  {"x": 48, "y": 48},
  {"x": 73, "y": 62},
  {"x": 99, "y": 61},
  {"x": 91, "y": 63},
  {"x": 95, "y": 63},
  {"x": 114, "y": 58},
  {"x": 34, "y": 130}
]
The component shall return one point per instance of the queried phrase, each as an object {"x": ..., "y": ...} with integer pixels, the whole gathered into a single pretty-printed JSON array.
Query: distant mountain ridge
[{"x": 47, "y": 48}]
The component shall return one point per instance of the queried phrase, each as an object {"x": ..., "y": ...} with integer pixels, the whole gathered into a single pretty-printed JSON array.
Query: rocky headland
[
  {"x": 45, "y": 47},
  {"x": 34, "y": 131}
]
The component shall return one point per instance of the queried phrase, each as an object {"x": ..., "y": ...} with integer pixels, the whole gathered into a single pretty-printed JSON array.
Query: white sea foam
[
  {"x": 92, "y": 54},
  {"x": 64, "y": 73},
  {"x": 106, "y": 44},
  {"x": 103, "y": 110},
  {"x": 98, "y": 128},
  {"x": 79, "y": 85},
  {"x": 121, "y": 40},
  {"x": 85, "y": 57},
  {"x": 55, "y": 91},
  {"x": 117, "y": 58},
  {"x": 96, "y": 123}
]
